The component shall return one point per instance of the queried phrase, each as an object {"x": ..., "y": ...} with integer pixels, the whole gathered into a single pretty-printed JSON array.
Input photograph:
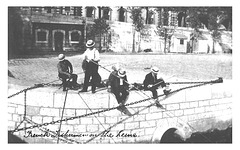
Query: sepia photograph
[{"x": 93, "y": 74}]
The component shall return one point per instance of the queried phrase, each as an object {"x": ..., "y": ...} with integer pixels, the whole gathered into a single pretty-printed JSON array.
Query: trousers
[
  {"x": 91, "y": 72},
  {"x": 72, "y": 79},
  {"x": 160, "y": 82},
  {"x": 121, "y": 94}
]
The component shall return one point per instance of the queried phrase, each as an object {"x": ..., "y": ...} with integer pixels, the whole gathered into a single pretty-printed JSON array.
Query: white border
[{"x": 236, "y": 68}]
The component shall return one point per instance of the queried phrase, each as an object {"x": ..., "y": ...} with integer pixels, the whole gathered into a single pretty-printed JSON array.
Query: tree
[
  {"x": 15, "y": 25},
  {"x": 165, "y": 29},
  {"x": 99, "y": 28},
  {"x": 195, "y": 21},
  {"x": 138, "y": 22},
  {"x": 212, "y": 18},
  {"x": 215, "y": 15}
]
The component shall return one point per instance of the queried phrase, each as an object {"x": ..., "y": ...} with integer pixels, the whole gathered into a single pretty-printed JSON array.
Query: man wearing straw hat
[
  {"x": 119, "y": 86},
  {"x": 91, "y": 56},
  {"x": 65, "y": 72},
  {"x": 151, "y": 83}
]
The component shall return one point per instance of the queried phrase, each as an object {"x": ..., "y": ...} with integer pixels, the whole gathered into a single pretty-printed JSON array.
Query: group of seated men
[{"x": 117, "y": 82}]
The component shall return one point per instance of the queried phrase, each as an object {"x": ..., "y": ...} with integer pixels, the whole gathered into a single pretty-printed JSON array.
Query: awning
[
  {"x": 202, "y": 37},
  {"x": 180, "y": 36}
]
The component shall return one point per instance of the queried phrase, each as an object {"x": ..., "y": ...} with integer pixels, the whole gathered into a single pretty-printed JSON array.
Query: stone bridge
[{"x": 191, "y": 110}]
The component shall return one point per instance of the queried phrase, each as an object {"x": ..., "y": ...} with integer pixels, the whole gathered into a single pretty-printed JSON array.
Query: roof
[
  {"x": 199, "y": 37},
  {"x": 202, "y": 37},
  {"x": 180, "y": 36}
]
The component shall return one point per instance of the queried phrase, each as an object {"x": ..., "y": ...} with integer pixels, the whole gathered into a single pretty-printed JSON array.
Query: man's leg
[
  {"x": 155, "y": 96},
  {"x": 161, "y": 82},
  {"x": 86, "y": 81},
  {"x": 117, "y": 95},
  {"x": 74, "y": 80},
  {"x": 94, "y": 82},
  {"x": 124, "y": 97},
  {"x": 94, "y": 74},
  {"x": 64, "y": 81},
  {"x": 154, "y": 93},
  {"x": 165, "y": 87}
]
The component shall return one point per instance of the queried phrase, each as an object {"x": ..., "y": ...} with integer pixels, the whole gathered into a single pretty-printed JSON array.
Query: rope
[
  {"x": 105, "y": 110},
  {"x": 94, "y": 115},
  {"x": 138, "y": 113},
  {"x": 120, "y": 78},
  {"x": 118, "y": 123},
  {"x": 41, "y": 85},
  {"x": 59, "y": 131}
]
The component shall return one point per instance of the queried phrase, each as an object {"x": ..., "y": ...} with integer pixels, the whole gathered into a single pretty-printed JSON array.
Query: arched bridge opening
[{"x": 171, "y": 136}]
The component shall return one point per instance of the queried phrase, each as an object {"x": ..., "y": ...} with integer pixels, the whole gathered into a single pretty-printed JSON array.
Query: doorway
[{"x": 58, "y": 41}]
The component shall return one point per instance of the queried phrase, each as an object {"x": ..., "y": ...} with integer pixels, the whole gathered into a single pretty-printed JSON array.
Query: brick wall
[{"x": 202, "y": 108}]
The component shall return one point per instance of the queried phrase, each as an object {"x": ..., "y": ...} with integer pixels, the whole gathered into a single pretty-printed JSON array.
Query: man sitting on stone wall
[
  {"x": 65, "y": 72},
  {"x": 151, "y": 83}
]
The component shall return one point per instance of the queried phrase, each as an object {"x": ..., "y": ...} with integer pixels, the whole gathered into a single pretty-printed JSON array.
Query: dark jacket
[
  {"x": 114, "y": 82},
  {"x": 64, "y": 68},
  {"x": 149, "y": 79}
]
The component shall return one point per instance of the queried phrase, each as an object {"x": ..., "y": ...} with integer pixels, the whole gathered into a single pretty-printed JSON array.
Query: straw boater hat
[
  {"x": 61, "y": 57},
  {"x": 121, "y": 72},
  {"x": 155, "y": 69},
  {"x": 90, "y": 43}
]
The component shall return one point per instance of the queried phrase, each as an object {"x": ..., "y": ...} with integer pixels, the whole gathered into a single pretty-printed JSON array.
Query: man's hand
[
  {"x": 109, "y": 89},
  {"x": 131, "y": 86},
  {"x": 150, "y": 85}
]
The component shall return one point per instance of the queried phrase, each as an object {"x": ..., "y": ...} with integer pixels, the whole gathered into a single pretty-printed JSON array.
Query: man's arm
[
  {"x": 61, "y": 71},
  {"x": 145, "y": 82},
  {"x": 70, "y": 67},
  {"x": 96, "y": 56}
]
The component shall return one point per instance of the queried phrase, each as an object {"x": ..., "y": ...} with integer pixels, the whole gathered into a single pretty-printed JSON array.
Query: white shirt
[
  {"x": 121, "y": 81},
  {"x": 91, "y": 54}
]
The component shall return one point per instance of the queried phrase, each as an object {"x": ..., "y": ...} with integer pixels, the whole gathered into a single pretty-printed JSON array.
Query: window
[
  {"x": 151, "y": 18},
  {"x": 122, "y": 14},
  {"x": 58, "y": 10},
  {"x": 37, "y": 9},
  {"x": 68, "y": 10},
  {"x": 77, "y": 11},
  {"x": 173, "y": 19},
  {"x": 106, "y": 13},
  {"x": 48, "y": 9},
  {"x": 41, "y": 36},
  {"x": 74, "y": 36},
  {"x": 89, "y": 11},
  {"x": 181, "y": 41}
]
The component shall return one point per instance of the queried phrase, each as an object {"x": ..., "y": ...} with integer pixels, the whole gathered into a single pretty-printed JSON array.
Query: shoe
[
  {"x": 83, "y": 90},
  {"x": 166, "y": 92},
  {"x": 120, "y": 106},
  {"x": 93, "y": 92},
  {"x": 159, "y": 105},
  {"x": 65, "y": 88}
]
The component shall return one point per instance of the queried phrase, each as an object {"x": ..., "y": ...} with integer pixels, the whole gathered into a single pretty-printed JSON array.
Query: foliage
[
  {"x": 99, "y": 27},
  {"x": 138, "y": 20},
  {"x": 15, "y": 25},
  {"x": 138, "y": 23}
]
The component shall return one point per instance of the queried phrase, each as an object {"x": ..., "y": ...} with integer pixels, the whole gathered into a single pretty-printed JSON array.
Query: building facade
[{"x": 58, "y": 29}]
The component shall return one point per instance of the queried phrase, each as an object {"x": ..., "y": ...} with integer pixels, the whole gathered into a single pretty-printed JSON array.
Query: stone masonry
[{"x": 188, "y": 111}]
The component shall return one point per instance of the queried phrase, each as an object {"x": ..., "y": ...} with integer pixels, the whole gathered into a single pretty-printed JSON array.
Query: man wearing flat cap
[
  {"x": 151, "y": 83},
  {"x": 65, "y": 72},
  {"x": 91, "y": 56}
]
